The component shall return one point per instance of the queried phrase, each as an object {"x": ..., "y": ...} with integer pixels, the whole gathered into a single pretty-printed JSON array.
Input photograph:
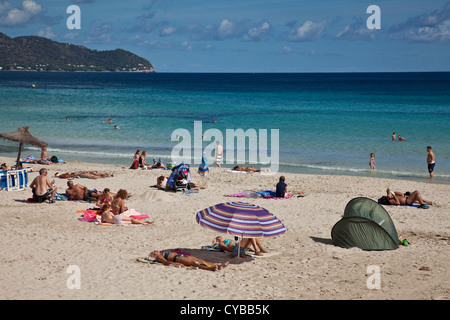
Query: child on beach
[
  {"x": 372, "y": 161},
  {"x": 281, "y": 188},
  {"x": 109, "y": 217}
]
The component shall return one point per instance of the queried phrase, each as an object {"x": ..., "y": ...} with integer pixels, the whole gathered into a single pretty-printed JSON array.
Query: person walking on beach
[
  {"x": 372, "y": 161},
  {"x": 219, "y": 153},
  {"x": 431, "y": 162}
]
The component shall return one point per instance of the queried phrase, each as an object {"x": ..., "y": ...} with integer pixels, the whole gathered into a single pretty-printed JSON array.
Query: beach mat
[
  {"x": 268, "y": 194},
  {"x": 152, "y": 261}
]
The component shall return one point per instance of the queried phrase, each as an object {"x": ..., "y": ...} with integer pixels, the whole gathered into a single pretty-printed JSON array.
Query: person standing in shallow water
[
  {"x": 431, "y": 162},
  {"x": 372, "y": 161}
]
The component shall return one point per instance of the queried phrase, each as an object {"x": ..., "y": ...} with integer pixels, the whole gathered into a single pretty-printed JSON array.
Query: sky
[{"x": 249, "y": 35}]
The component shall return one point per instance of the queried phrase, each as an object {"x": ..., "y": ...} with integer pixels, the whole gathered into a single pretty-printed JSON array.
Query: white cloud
[
  {"x": 356, "y": 31},
  {"x": 225, "y": 29},
  {"x": 167, "y": 31},
  {"x": 431, "y": 27},
  {"x": 308, "y": 31},
  {"x": 258, "y": 33},
  {"x": 19, "y": 16},
  {"x": 46, "y": 33}
]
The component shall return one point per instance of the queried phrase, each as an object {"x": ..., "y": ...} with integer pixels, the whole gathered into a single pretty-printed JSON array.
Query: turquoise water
[{"x": 328, "y": 123}]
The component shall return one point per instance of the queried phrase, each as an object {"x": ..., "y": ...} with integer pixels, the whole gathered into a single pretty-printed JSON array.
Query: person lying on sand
[
  {"x": 184, "y": 260},
  {"x": 39, "y": 161},
  {"x": 398, "y": 198},
  {"x": 109, "y": 217},
  {"x": 85, "y": 174},
  {"x": 247, "y": 169},
  {"x": 158, "y": 165},
  {"x": 79, "y": 192}
]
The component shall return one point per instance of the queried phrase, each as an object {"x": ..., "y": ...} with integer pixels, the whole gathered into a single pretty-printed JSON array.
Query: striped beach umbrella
[{"x": 241, "y": 219}]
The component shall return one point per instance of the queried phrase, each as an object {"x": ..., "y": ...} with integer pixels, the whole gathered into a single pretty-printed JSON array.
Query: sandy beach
[{"x": 41, "y": 241}]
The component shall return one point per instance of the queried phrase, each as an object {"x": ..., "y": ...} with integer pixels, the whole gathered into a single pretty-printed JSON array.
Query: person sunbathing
[
  {"x": 105, "y": 197},
  {"x": 42, "y": 188},
  {"x": 408, "y": 198},
  {"x": 79, "y": 192},
  {"x": 230, "y": 245},
  {"x": 184, "y": 260},
  {"x": 4, "y": 167},
  {"x": 85, "y": 174},
  {"x": 247, "y": 169},
  {"x": 158, "y": 165},
  {"x": 109, "y": 217}
]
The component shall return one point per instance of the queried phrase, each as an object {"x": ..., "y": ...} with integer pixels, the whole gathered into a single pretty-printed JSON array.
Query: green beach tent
[{"x": 366, "y": 225}]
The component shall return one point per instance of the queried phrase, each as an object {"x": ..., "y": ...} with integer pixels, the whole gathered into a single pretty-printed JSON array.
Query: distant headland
[{"x": 33, "y": 53}]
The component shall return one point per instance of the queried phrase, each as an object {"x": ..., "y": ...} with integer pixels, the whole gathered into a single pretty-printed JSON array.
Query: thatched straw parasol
[{"x": 23, "y": 137}]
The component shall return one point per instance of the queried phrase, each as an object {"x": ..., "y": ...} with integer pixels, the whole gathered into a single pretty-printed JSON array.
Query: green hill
[{"x": 38, "y": 53}]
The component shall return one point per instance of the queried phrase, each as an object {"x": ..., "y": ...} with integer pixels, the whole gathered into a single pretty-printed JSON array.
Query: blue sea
[{"x": 328, "y": 123}]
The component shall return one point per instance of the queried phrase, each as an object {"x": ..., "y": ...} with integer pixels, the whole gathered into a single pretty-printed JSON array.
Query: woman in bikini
[
  {"x": 105, "y": 197},
  {"x": 398, "y": 198},
  {"x": 230, "y": 245},
  {"x": 184, "y": 260}
]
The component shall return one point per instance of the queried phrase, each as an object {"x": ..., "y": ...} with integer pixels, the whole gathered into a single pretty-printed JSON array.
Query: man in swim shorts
[
  {"x": 219, "y": 153},
  {"x": 431, "y": 162},
  {"x": 79, "y": 192},
  {"x": 42, "y": 188}
]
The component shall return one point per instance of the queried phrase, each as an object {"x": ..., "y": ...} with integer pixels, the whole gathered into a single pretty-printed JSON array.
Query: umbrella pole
[{"x": 18, "y": 157}]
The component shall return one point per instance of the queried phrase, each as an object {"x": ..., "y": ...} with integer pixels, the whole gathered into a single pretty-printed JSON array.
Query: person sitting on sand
[
  {"x": 161, "y": 182},
  {"x": 105, "y": 197},
  {"x": 408, "y": 198},
  {"x": 44, "y": 156},
  {"x": 281, "y": 188},
  {"x": 184, "y": 260},
  {"x": 85, "y": 174},
  {"x": 225, "y": 244},
  {"x": 42, "y": 188},
  {"x": 118, "y": 206},
  {"x": 247, "y": 169},
  {"x": 230, "y": 245},
  {"x": 79, "y": 192},
  {"x": 109, "y": 217},
  {"x": 142, "y": 159}
]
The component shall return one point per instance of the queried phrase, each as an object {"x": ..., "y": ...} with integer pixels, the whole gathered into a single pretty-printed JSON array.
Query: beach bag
[{"x": 54, "y": 159}]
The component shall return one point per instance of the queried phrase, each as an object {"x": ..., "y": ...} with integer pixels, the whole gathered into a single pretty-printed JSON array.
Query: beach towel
[
  {"x": 267, "y": 194},
  {"x": 135, "y": 165},
  {"x": 153, "y": 261},
  {"x": 214, "y": 247}
]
